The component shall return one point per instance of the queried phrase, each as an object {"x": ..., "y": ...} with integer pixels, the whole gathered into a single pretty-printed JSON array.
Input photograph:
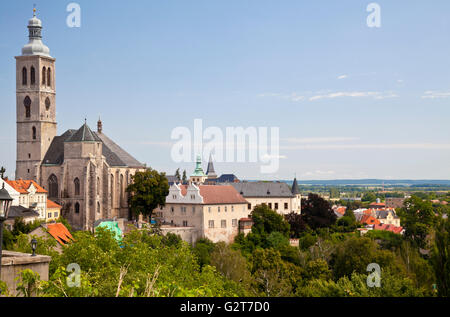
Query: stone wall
[{"x": 14, "y": 262}]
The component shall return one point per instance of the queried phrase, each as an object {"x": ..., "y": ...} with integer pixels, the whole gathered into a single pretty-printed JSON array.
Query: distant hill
[{"x": 362, "y": 182}]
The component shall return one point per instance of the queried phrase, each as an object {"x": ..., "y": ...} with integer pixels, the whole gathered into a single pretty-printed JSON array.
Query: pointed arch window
[
  {"x": 49, "y": 76},
  {"x": 24, "y": 76},
  {"x": 76, "y": 184},
  {"x": 53, "y": 186},
  {"x": 27, "y": 104},
  {"x": 47, "y": 103},
  {"x": 33, "y": 130},
  {"x": 32, "y": 76},
  {"x": 43, "y": 75},
  {"x": 77, "y": 208}
]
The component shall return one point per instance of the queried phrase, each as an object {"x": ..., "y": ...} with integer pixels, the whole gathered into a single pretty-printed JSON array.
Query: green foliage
[
  {"x": 28, "y": 283},
  {"x": 356, "y": 286},
  {"x": 4, "y": 291},
  {"x": 231, "y": 264},
  {"x": 203, "y": 249},
  {"x": 369, "y": 197},
  {"x": 266, "y": 221},
  {"x": 354, "y": 254},
  {"x": 317, "y": 212},
  {"x": 441, "y": 258},
  {"x": 386, "y": 239},
  {"x": 147, "y": 191},
  {"x": 307, "y": 241},
  {"x": 418, "y": 218}
]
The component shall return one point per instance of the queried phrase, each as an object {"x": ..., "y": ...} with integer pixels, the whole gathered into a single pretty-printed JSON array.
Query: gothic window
[
  {"x": 77, "y": 208},
  {"x": 98, "y": 185},
  {"x": 47, "y": 103},
  {"x": 53, "y": 186},
  {"x": 49, "y": 76},
  {"x": 43, "y": 75},
  {"x": 27, "y": 104},
  {"x": 98, "y": 207},
  {"x": 24, "y": 76},
  {"x": 32, "y": 76},
  {"x": 76, "y": 184},
  {"x": 121, "y": 190},
  {"x": 34, "y": 133}
]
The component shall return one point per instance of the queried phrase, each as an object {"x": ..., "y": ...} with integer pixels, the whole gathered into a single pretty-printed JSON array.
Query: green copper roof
[
  {"x": 198, "y": 168},
  {"x": 114, "y": 227}
]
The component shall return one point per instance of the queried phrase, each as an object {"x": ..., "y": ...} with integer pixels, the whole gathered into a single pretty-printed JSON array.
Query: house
[
  {"x": 377, "y": 205},
  {"x": 53, "y": 210},
  {"x": 277, "y": 195},
  {"x": 57, "y": 231},
  {"x": 389, "y": 227},
  {"x": 339, "y": 211},
  {"x": 393, "y": 202},
  {"x": 368, "y": 220},
  {"x": 388, "y": 217},
  {"x": 203, "y": 211},
  {"x": 28, "y": 215},
  {"x": 31, "y": 196}
]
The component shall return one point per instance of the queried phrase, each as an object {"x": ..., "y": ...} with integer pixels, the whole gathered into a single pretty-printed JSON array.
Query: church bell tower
[{"x": 35, "y": 99}]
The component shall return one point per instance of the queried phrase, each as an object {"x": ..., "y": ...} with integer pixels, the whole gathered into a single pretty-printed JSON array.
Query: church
[{"x": 82, "y": 170}]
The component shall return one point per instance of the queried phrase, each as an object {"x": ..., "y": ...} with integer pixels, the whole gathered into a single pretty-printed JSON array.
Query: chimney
[{"x": 99, "y": 126}]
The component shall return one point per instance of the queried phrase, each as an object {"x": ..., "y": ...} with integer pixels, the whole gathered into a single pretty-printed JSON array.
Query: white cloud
[
  {"x": 435, "y": 95},
  {"x": 405, "y": 146},
  {"x": 353, "y": 94},
  {"x": 342, "y": 77},
  {"x": 319, "y": 139}
]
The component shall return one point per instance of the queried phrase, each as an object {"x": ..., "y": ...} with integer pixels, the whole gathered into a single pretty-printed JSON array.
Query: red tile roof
[
  {"x": 218, "y": 194},
  {"x": 52, "y": 205},
  {"x": 386, "y": 227},
  {"x": 369, "y": 220},
  {"x": 22, "y": 186},
  {"x": 379, "y": 205},
  {"x": 60, "y": 233},
  {"x": 341, "y": 210}
]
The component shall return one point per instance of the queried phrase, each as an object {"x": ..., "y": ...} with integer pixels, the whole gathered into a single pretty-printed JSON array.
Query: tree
[
  {"x": 297, "y": 224},
  {"x": 369, "y": 197},
  {"x": 177, "y": 174},
  {"x": 417, "y": 217},
  {"x": 266, "y": 221},
  {"x": 354, "y": 254},
  {"x": 2, "y": 172},
  {"x": 148, "y": 191},
  {"x": 441, "y": 258},
  {"x": 317, "y": 212},
  {"x": 231, "y": 264},
  {"x": 184, "y": 177}
]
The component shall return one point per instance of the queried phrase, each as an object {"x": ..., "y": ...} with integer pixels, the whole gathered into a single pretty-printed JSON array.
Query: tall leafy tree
[
  {"x": 441, "y": 258},
  {"x": 148, "y": 191},
  {"x": 2, "y": 172},
  {"x": 177, "y": 174},
  {"x": 266, "y": 221},
  {"x": 184, "y": 179},
  {"x": 418, "y": 218},
  {"x": 317, "y": 212}
]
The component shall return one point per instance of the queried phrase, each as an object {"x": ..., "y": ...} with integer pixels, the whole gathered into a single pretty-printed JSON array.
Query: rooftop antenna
[{"x": 34, "y": 9}]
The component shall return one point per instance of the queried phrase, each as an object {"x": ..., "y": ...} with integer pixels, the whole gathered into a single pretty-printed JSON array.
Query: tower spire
[
  {"x": 210, "y": 171},
  {"x": 35, "y": 45}
]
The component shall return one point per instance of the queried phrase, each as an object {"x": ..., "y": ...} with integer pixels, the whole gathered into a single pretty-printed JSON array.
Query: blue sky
[{"x": 350, "y": 101}]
